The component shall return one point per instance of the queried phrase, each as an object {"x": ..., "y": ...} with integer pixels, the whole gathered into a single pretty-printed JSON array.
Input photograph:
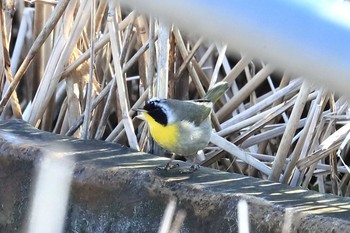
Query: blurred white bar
[
  {"x": 243, "y": 216},
  {"x": 51, "y": 194},
  {"x": 167, "y": 217},
  {"x": 308, "y": 38}
]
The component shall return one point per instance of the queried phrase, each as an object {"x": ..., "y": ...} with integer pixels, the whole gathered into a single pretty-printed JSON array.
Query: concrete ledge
[{"x": 116, "y": 189}]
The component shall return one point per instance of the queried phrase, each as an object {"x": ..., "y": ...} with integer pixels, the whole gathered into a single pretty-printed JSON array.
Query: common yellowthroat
[{"x": 182, "y": 127}]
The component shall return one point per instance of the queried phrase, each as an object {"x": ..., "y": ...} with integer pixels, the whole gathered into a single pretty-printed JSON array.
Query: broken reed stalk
[
  {"x": 49, "y": 26},
  {"x": 7, "y": 17},
  {"x": 236, "y": 152},
  {"x": 263, "y": 104},
  {"x": 104, "y": 92},
  {"x": 59, "y": 58},
  {"x": 268, "y": 134},
  {"x": 200, "y": 73},
  {"x": 75, "y": 83},
  {"x": 111, "y": 95},
  {"x": 96, "y": 101},
  {"x": 86, "y": 55},
  {"x": 115, "y": 46},
  {"x": 188, "y": 59},
  {"x": 327, "y": 146},
  {"x": 111, "y": 137},
  {"x": 303, "y": 177},
  {"x": 207, "y": 54},
  {"x": 219, "y": 61},
  {"x": 141, "y": 37},
  {"x": 6, "y": 61},
  {"x": 237, "y": 69},
  {"x": 106, "y": 111},
  {"x": 321, "y": 166},
  {"x": 303, "y": 144},
  {"x": 39, "y": 64},
  {"x": 286, "y": 140},
  {"x": 275, "y": 131},
  {"x": 333, "y": 156},
  {"x": 231, "y": 129},
  {"x": 244, "y": 92},
  {"x": 151, "y": 57},
  {"x": 296, "y": 154},
  {"x": 183, "y": 51},
  {"x": 98, "y": 45},
  {"x": 267, "y": 119},
  {"x": 284, "y": 82},
  {"x": 40, "y": 17},
  {"x": 99, "y": 15},
  {"x": 87, "y": 112}
]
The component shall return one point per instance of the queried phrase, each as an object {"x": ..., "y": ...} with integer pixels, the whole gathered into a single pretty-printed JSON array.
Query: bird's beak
[{"x": 142, "y": 117}]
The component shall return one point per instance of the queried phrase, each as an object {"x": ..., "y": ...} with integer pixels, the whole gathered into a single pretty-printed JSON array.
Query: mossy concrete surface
[{"x": 116, "y": 189}]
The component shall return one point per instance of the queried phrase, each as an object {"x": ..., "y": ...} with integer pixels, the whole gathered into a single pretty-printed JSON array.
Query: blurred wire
[{"x": 308, "y": 38}]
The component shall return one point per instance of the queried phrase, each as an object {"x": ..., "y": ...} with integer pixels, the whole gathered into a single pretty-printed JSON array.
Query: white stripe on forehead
[
  {"x": 168, "y": 111},
  {"x": 163, "y": 104},
  {"x": 154, "y": 99}
]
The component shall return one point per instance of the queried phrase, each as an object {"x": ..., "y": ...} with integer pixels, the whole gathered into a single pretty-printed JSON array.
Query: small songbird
[{"x": 182, "y": 127}]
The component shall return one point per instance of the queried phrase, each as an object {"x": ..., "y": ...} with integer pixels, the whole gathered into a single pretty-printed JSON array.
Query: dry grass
[{"x": 86, "y": 64}]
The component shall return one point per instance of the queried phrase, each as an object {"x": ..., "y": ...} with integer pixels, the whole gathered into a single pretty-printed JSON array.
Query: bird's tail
[{"x": 216, "y": 91}]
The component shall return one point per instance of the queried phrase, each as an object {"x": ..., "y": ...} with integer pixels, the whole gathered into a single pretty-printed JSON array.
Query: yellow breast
[{"x": 165, "y": 136}]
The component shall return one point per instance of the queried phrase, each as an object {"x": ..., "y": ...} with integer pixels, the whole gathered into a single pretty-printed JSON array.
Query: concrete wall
[{"x": 115, "y": 189}]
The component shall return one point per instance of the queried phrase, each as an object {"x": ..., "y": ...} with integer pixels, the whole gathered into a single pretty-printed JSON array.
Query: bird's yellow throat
[{"x": 165, "y": 136}]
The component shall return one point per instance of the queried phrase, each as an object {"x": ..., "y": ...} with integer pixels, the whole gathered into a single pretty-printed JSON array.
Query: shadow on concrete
[{"x": 116, "y": 189}]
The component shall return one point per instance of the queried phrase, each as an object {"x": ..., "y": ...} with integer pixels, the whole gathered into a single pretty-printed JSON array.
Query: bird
[{"x": 182, "y": 127}]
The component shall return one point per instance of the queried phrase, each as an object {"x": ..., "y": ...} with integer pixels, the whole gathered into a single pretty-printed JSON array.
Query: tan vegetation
[{"x": 79, "y": 67}]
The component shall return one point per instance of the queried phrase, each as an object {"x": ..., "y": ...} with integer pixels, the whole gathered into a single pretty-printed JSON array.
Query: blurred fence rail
[{"x": 308, "y": 37}]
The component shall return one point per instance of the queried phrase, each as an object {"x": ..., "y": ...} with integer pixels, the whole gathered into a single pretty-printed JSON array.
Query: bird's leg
[
  {"x": 194, "y": 167},
  {"x": 169, "y": 164}
]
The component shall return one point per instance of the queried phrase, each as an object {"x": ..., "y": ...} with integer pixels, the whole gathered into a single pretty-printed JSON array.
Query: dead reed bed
[{"x": 78, "y": 68}]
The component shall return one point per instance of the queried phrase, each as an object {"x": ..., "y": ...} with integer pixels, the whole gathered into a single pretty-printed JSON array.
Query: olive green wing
[{"x": 195, "y": 111}]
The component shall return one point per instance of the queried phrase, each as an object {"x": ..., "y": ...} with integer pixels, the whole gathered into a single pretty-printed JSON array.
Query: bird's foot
[
  {"x": 192, "y": 169},
  {"x": 168, "y": 166}
]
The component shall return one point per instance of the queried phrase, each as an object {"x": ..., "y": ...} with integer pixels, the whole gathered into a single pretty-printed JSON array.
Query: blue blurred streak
[{"x": 308, "y": 38}]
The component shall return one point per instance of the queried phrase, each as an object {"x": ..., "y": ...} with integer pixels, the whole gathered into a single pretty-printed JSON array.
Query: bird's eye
[{"x": 151, "y": 104}]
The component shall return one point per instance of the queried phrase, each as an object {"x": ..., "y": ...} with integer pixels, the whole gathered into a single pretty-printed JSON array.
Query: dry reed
[{"x": 95, "y": 61}]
